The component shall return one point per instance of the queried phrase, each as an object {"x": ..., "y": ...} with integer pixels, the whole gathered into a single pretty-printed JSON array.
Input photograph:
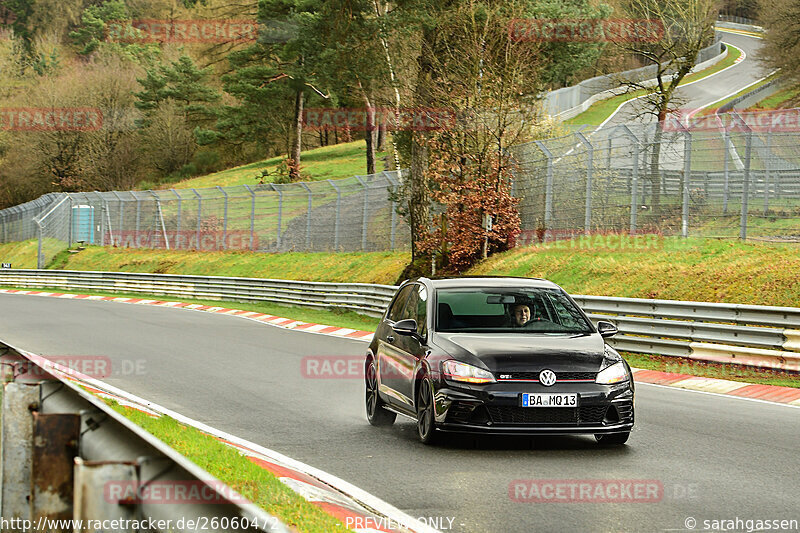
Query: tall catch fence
[
  {"x": 724, "y": 176},
  {"x": 731, "y": 176},
  {"x": 352, "y": 214}
]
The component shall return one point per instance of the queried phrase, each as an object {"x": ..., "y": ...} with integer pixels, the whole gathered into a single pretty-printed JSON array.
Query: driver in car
[{"x": 520, "y": 315}]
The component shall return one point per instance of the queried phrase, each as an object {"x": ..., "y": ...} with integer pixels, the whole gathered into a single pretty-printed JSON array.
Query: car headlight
[
  {"x": 615, "y": 373},
  {"x": 456, "y": 371}
]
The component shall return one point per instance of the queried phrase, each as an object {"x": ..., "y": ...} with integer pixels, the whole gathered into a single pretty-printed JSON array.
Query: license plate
[{"x": 549, "y": 400}]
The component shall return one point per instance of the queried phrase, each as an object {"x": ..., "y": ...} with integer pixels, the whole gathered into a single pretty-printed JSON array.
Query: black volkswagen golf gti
[{"x": 496, "y": 355}]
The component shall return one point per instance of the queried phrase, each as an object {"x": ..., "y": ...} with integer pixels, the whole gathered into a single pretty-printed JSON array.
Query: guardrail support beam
[
  {"x": 91, "y": 502},
  {"x": 16, "y": 452},
  {"x": 55, "y": 444}
]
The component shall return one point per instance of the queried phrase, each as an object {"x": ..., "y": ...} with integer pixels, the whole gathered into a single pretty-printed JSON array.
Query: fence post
[
  {"x": 336, "y": 220},
  {"x": 224, "y": 219},
  {"x": 121, "y": 203},
  {"x": 634, "y": 176},
  {"x": 746, "y": 184},
  {"x": 548, "y": 190},
  {"x": 365, "y": 214},
  {"x": 39, "y": 255},
  {"x": 393, "y": 209},
  {"x": 726, "y": 136},
  {"x": 587, "y": 219},
  {"x": 178, "y": 218},
  {"x": 71, "y": 221},
  {"x": 138, "y": 216},
  {"x": 252, "y": 216},
  {"x": 608, "y": 155},
  {"x": 687, "y": 176},
  {"x": 766, "y": 171},
  {"x": 280, "y": 212},
  {"x": 160, "y": 214},
  {"x": 199, "y": 216},
  {"x": 308, "y": 217}
]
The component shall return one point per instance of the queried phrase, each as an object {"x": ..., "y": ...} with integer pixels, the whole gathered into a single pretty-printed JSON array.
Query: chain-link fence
[
  {"x": 352, "y": 214},
  {"x": 729, "y": 176}
]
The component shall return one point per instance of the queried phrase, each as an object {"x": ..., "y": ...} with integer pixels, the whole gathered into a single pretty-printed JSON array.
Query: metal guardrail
[
  {"x": 665, "y": 327},
  {"x": 364, "y": 298},
  {"x": 64, "y": 451}
]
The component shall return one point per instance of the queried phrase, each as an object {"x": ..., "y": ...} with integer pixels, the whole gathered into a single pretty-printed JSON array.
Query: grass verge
[
  {"x": 370, "y": 267},
  {"x": 341, "y": 160},
  {"x": 258, "y": 485}
]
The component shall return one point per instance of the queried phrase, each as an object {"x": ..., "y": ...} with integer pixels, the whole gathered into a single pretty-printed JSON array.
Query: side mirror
[
  {"x": 405, "y": 327},
  {"x": 606, "y": 329}
]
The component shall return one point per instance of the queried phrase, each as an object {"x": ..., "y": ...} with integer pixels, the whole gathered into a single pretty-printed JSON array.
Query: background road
[
  {"x": 708, "y": 90},
  {"x": 717, "y": 457}
]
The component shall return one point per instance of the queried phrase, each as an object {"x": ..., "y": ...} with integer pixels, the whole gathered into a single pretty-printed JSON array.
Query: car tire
[
  {"x": 612, "y": 438},
  {"x": 376, "y": 414},
  {"x": 426, "y": 421}
]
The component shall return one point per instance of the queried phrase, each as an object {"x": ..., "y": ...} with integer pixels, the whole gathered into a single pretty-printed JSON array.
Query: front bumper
[{"x": 495, "y": 408}]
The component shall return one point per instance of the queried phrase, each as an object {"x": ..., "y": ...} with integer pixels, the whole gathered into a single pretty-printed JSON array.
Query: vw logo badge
[{"x": 547, "y": 378}]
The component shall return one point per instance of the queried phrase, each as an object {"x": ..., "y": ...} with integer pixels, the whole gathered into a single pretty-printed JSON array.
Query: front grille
[
  {"x": 584, "y": 415},
  {"x": 592, "y": 414},
  {"x": 560, "y": 376}
]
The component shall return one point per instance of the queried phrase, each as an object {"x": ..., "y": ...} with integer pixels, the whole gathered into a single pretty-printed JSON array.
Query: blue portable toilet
[{"x": 83, "y": 224}]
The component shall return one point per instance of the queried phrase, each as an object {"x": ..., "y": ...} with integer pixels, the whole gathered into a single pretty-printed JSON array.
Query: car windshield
[{"x": 508, "y": 310}]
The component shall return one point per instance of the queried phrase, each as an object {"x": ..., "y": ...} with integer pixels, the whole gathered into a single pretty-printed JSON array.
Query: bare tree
[{"x": 687, "y": 27}]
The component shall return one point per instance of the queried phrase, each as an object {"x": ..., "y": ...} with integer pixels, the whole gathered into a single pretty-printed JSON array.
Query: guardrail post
[
  {"x": 308, "y": 217},
  {"x": 548, "y": 190},
  {"x": 336, "y": 218},
  {"x": 90, "y": 500},
  {"x": 55, "y": 445},
  {"x": 252, "y": 216},
  {"x": 16, "y": 452},
  {"x": 587, "y": 219},
  {"x": 365, "y": 214}
]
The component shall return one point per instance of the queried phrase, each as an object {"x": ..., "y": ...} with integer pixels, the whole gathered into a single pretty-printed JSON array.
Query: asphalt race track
[
  {"x": 715, "y": 457},
  {"x": 711, "y": 89}
]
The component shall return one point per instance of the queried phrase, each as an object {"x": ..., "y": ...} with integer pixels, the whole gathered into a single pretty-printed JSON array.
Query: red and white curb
[
  {"x": 358, "y": 510},
  {"x": 281, "y": 322},
  {"x": 769, "y": 393}
]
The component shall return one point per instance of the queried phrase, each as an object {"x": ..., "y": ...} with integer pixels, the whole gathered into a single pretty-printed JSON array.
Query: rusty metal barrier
[{"x": 70, "y": 461}]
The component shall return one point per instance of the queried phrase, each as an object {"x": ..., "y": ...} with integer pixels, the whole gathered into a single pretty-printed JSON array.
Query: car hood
[{"x": 526, "y": 352}]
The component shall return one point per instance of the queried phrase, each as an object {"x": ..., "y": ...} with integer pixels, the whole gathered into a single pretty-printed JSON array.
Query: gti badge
[{"x": 547, "y": 378}]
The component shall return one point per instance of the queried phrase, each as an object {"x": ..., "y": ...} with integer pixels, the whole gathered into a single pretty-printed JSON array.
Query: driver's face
[{"x": 522, "y": 314}]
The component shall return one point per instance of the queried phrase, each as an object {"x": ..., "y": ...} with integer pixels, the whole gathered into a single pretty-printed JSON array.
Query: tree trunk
[
  {"x": 369, "y": 135},
  {"x": 381, "y": 145},
  {"x": 655, "y": 164},
  {"x": 297, "y": 142},
  {"x": 419, "y": 208}
]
